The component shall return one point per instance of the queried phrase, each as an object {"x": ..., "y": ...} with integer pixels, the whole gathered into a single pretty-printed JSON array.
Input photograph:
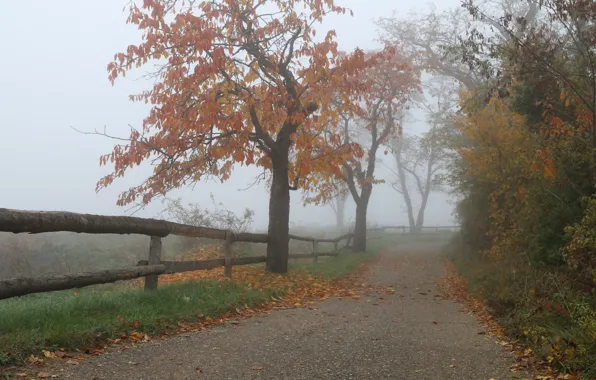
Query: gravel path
[{"x": 411, "y": 334}]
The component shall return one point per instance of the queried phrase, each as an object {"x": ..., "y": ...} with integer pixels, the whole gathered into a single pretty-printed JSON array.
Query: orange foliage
[
  {"x": 372, "y": 124},
  {"x": 234, "y": 85}
]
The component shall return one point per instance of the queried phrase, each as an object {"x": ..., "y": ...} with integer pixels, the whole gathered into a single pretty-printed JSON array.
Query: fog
[{"x": 53, "y": 78}]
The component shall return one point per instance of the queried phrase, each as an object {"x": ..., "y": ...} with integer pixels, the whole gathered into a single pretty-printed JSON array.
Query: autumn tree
[
  {"x": 390, "y": 84},
  {"x": 237, "y": 82}
]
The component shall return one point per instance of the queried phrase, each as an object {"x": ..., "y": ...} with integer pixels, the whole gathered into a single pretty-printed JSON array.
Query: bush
[
  {"x": 543, "y": 308},
  {"x": 580, "y": 252}
]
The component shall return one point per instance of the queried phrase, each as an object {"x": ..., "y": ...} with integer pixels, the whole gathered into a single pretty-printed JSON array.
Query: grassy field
[{"x": 75, "y": 319}]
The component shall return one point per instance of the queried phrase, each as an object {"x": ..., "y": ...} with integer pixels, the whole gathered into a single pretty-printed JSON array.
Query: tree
[
  {"x": 390, "y": 84},
  {"x": 557, "y": 51},
  {"x": 430, "y": 38},
  {"x": 448, "y": 43},
  {"x": 419, "y": 159},
  {"x": 422, "y": 159},
  {"x": 337, "y": 202},
  {"x": 237, "y": 82},
  {"x": 338, "y": 205}
]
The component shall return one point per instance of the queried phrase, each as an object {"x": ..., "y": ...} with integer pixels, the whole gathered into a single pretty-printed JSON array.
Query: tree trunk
[
  {"x": 279, "y": 216},
  {"x": 404, "y": 186},
  {"x": 406, "y": 196},
  {"x": 359, "y": 243},
  {"x": 340, "y": 212},
  {"x": 425, "y": 191}
]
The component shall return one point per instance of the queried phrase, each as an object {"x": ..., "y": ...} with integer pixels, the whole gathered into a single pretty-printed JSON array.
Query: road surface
[{"x": 411, "y": 334}]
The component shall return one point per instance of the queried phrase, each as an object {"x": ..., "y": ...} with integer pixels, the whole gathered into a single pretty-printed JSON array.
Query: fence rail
[{"x": 19, "y": 221}]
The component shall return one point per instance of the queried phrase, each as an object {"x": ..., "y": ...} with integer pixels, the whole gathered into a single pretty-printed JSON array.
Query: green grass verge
[
  {"x": 60, "y": 319},
  {"x": 337, "y": 267},
  {"x": 541, "y": 307}
]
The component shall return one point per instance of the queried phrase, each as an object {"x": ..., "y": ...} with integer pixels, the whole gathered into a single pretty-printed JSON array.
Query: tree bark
[
  {"x": 279, "y": 215},
  {"x": 426, "y": 192},
  {"x": 340, "y": 211},
  {"x": 359, "y": 243},
  {"x": 406, "y": 195}
]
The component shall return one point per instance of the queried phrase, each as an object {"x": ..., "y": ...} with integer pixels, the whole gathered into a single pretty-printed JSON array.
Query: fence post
[
  {"x": 228, "y": 254},
  {"x": 404, "y": 229},
  {"x": 335, "y": 243},
  {"x": 154, "y": 259},
  {"x": 315, "y": 247}
]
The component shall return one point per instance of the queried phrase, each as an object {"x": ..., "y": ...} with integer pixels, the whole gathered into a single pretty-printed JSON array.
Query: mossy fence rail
[{"x": 33, "y": 222}]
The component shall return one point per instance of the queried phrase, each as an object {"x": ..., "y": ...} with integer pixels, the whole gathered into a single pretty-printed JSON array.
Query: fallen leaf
[
  {"x": 435, "y": 323},
  {"x": 452, "y": 366},
  {"x": 43, "y": 375},
  {"x": 257, "y": 367},
  {"x": 198, "y": 370},
  {"x": 21, "y": 374},
  {"x": 72, "y": 362},
  {"x": 419, "y": 370},
  {"x": 35, "y": 360},
  {"x": 48, "y": 354}
]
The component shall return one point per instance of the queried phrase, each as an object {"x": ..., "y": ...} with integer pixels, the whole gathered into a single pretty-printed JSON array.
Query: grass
[
  {"x": 337, "y": 267},
  {"x": 541, "y": 307},
  {"x": 62, "y": 320}
]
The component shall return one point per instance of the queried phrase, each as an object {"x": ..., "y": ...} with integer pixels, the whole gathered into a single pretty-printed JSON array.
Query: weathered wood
[
  {"x": 248, "y": 260},
  {"x": 154, "y": 259},
  {"x": 301, "y": 238},
  {"x": 19, "y": 221},
  {"x": 27, "y": 285},
  {"x": 190, "y": 266},
  {"x": 311, "y": 239},
  {"x": 343, "y": 237},
  {"x": 315, "y": 257},
  {"x": 228, "y": 254},
  {"x": 309, "y": 255},
  {"x": 248, "y": 237}
]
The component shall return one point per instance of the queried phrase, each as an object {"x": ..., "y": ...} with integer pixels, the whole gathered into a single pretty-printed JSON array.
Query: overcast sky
[{"x": 53, "y": 76}]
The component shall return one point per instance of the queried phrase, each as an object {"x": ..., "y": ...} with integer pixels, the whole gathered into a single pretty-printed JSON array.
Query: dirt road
[{"x": 411, "y": 334}]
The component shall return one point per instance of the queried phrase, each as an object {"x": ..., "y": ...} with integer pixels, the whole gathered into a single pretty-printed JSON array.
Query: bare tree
[
  {"x": 338, "y": 205},
  {"x": 420, "y": 159},
  {"x": 445, "y": 43}
]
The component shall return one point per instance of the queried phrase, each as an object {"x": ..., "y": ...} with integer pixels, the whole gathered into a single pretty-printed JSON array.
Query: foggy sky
[{"x": 53, "y": 77}]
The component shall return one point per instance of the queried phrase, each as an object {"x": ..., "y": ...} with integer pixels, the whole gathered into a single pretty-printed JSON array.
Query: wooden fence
[{"x": 18, "y": 221}]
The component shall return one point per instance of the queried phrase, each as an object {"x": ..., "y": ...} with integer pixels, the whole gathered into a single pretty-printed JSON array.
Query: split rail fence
[{"x": 33, "y": 222}]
